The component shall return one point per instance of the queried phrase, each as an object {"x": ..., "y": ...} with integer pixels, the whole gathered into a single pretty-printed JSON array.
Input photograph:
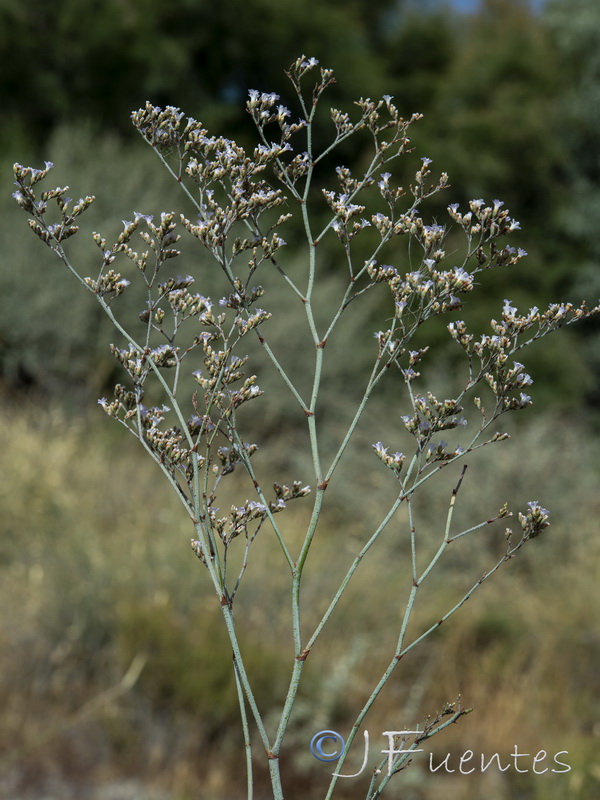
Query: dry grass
[{"x": 114, "y": 664}]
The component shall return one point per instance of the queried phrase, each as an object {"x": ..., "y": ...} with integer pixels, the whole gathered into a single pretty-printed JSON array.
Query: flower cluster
[
  {"x": 421, "y": 189},
  {"x": 394, "y": 461},
  {"x": 230, "y": 457},
  {"x": 161, "y": 128},
  {"x": 51, "y": 233},
  {"x": 123, "y": 407},
  {"x": 439, "y": 452},
  {"x": 534, "y": 520},
  {"x": 110, "y": 284},
  {"x": 261, "y": 107},
  {"x": 184, "y": 304},
  {"x": 237, "y": 521},
  {"x": 137, "y": 363},
  {"x": 491, "y": 221},
  {"x": 285, "y": 493},
  {"x": 221, "y": 370},
  {"x": 239, "y": 518},
  {"x": 503, "y": 381},
  {"x": 494, "y": 350},
  {"x": 168, "y": 445},
  {"x": 425, "y": 292},
  {"x": 228, "y": 181},
  {"x": 432, "y": 416}
]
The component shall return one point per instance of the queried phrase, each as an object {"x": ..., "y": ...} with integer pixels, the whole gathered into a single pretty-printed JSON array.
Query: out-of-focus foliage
[
  {"x": 493, "y": 88},
  {"x": 575, "y": 28},
  {"x": 96, "y": 571},
  {"x": 508, "y": 97},
  {"x": 489, "y": 115},
  {"x": 98, "y": 61},
  {"x": 49, "y": 338}
]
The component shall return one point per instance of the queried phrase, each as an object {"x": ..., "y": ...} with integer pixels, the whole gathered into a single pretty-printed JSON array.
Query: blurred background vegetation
[{"x": 113, "y": 664}]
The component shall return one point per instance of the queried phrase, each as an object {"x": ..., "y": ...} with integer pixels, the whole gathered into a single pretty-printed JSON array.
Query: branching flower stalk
[{"x": 197, "y": 441}]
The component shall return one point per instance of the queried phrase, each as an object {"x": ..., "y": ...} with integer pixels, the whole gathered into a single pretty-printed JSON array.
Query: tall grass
[{"x": 113, "y": 662}]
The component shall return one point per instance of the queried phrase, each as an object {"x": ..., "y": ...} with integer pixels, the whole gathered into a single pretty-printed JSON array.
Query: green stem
[
  {"x": 214, "y": 570},
  {"x": 402, "y": 759},
  {"x": 246, "y": 734},
  {"x": 239, "y": 665},
  {"x": 405, "y": 621},
  {"x": 354, "y": 566},
  {"x": 250, "y": 470},
  {"x": 283, "y": 373}
]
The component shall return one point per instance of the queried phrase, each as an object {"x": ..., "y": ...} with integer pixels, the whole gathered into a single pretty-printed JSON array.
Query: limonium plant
[{"x": 242, "y": 202}]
